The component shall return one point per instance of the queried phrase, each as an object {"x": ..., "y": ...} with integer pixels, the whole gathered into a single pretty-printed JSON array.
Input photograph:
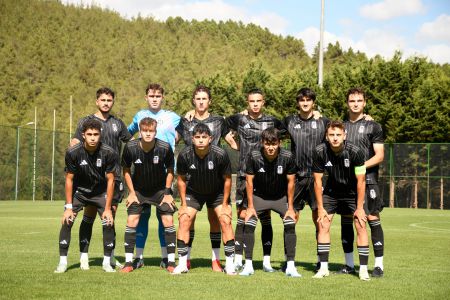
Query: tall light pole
[
  {"x": 17, "y": 157},
  {"x": 34, "y": 153},
  {"x": 321, "y": 45}
]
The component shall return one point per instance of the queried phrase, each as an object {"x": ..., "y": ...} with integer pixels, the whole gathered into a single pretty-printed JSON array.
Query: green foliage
[{"x": 51, "y": 52}]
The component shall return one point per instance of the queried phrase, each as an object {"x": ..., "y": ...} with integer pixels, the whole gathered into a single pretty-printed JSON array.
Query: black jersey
[
  {"x": 270, "y": 181},
  {"x": 204, "y": 175},
  {"x": 150, "y": 168},
  {"x": 340, "y": 168},
  {"x": 215, "y": 123},
  {"x": 305, "y": 136},
  {"x": 90, "y": 169},
  {"x": 364, "y": 134},
  {"x": 249, "y": 131}
]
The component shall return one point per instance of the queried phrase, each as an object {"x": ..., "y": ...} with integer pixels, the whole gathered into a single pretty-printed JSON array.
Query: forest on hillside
[{"x": 51, "y": 52}]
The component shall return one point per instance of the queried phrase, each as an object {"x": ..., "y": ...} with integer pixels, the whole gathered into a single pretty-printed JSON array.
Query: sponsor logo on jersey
[
  {"x": 210, "y": 165},
  {"x": 99, "y": 162},
  {"x": 314, "y": 125},
  {"x": 114, "y": 127},
  {"x": 328, "y": 164},
  {"x": 280, "y": 170},
  {"x": 361, "y": 129},
  {"x": 83, "y": 163},
  {"x": 138, "y": 161},
  {"x": 261, "y": 170},
  {"x": 192, "y": 167},
  {"x": 346, "y": 162},
  {"x": 373, "y": 194},
  {"x": 155, "y": 159},
  {"x": 298, "y": 126}
]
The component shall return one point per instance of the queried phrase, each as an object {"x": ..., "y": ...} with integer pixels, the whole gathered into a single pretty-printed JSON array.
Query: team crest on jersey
[
  {"x": 361, "y": 129},
  {"x": 264, "y": 126},
  {"x": 210, "y": 165},
  {"x": 155, "y": 159},
  {"x": 314, "y": 125},
  {"x": 373, "y": 194},
  {"x": 210, "y": 126},
  {"x": 280, "y": 170},
  {"x": 114, "y": 126},
  {"x": 347, "y": 163},
  {"x": 99, "y": 162},
  {"x": 191, "y": 129}
]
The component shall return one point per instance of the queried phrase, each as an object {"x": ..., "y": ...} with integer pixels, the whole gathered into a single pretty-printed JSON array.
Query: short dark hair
[
  {"x": 154, "y": 86},
  {"x": 105, "y": 90},
  {"x": 306, "y": 93},
  {"x": 255, "y": 91},
  {"x": 91, "y": 124},
  {"x": 271, "y": 135},
  {"x": 356, "y": 90},
  {"x": 147, "y": 121},
  {"x": 201, "y": 88},
  {"x": 201, "y": 128},
  {"x": 336, "y": 124}
]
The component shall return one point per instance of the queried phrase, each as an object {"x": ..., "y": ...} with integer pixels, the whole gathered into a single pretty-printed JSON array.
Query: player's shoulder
[
  {"x": 214, "y": 117},
  {"x": 104, "y": 147},
  {"x": 116, "y": 119},
  {"x": 321, "y": 147},
  {"x": 218, "y": 150},
  {"x": 186, "y": 151},
  {"x": 75, "y": 148},
  {"x": 132, "y": 144},
  {"x": 286, "y": 153},
  {"x": 170, "y": 113},
  {"x": 352, "y": 148},
  {"x": 162, "y": 144}
]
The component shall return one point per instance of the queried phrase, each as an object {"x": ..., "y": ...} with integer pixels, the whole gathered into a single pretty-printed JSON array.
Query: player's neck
[
  {"x": 201, "y": 115},
  {"x": 352, "y": 117},
  {"x": 147, "y": 146},
  {"x": 201, "y": 152},
  {"x": 154, "y": 110},
  {"x": 254, "y": 115},
  {"x": 337, "y": 150},
  {"x": 90, "y": 149},
  {"x": 102, "y": 115},
  {"x": 305, "y": 115}
]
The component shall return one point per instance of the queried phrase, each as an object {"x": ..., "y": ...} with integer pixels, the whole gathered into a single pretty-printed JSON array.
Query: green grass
[{"x": 417, "y": 262}]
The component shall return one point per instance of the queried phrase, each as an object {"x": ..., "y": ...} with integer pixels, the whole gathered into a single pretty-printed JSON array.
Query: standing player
[
  {"x": 201, "y": 99},
  {"x": 367, "y": 135},
  {"x": 249, "y": 128},
  {"x": 167, "y": 122},
  {"x": 150, "y": 184},
  {"x": 204, "y": 176},
  {"x": 89, "y": 181},
  {"x": 343, "y": 193},
  {"x": 306, "y": 132},
  {"x": 114, "y": 133},
  {"x": 270, "y": 184}
]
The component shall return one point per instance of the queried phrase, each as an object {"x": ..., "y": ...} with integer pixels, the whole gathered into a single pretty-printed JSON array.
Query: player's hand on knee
[
  {"x": 68, "y": 216},
  {"x": 360, "y": 216},
  {"x": 290, "y": 214},
  {"x": 183, "y": 212},
  {"x": 132, "y": 198},
  {"x": 249, "y": 213},
  {"x": 168, "y": 199},
  {"x": 322, "y": 215},
  {"x": 107, "y": 215}
]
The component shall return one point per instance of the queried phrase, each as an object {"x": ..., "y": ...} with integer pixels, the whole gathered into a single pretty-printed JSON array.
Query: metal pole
[
  {"x": 53, "y": 154},
  {"x": 70, "y": 119},
  {"x": 321, "y": 45},
  {"x": 17, "y": 162},
  {"x": 34, "y": 153}
]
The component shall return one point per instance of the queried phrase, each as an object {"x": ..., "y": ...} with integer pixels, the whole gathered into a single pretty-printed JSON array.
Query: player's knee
[{"x": 289, "y": 225}]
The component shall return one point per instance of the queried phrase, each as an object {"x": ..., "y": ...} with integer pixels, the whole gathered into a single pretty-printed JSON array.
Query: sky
[{"x": 415, "y": 27}]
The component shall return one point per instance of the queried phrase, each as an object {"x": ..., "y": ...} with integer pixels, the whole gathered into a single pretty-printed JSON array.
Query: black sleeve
[
  {"x": 126, "y": 158},
  {"x": 181, "y": 165},
  {"x": 110, "y": 160},
  {"x": 71, "y": 165},
  {"x": 280, "y": 126},
  {"x": 232, "y": 122},
  {"x": 318, "y": 164},
  {"x": 249, "y": 164},
  {"x": 359, "y": 159},
  {"x": 291, "y": 166},
  {"x": 78, "y": 132},
  {"x": 180, "y": 128},
  {"x": 377, "y": 134},
  {"x": 224, "y": 127},
  {"x": 125, "y": 136},
  {"x": 169, "y": 161},
  {"x": 226, "y": 164}
]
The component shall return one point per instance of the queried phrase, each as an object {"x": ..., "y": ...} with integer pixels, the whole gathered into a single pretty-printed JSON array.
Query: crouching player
[
  {"x": 270, "y": 183},
  {"x": 150, "y": 184},
  {"x": 204, "y": 176},
  {"x": 343, "y": 194},
  {"x": 89, "y": 181}
]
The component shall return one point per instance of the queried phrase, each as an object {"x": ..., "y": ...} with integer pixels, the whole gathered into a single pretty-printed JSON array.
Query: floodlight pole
[
  {"x": 320, "y": 71},
  {"x": 34, "y": 153},
  {"x": 53, "y": 154},
  {"x": 17, "y": 158}
]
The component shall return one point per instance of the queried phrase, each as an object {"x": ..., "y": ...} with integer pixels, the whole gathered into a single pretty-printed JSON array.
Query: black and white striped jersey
[
  {"x": 90, "y": 169},
  {"x": 204, "y": 175},
  {"x": 305, "y": 136},
  {"x": 249, "y": 131},
  {"x": 270, "y": 181},
  {"x": 340, "y": 168},
  {"x": 364, "y": 134},
  {"x": 215, "y": 123},
  {"x": 150, "y": 168}
]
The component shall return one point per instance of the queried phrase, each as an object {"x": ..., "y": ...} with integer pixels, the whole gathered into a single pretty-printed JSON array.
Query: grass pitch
[{"x": 417, "y": 261}]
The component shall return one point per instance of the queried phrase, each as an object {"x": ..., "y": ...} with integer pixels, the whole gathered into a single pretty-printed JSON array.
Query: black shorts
[
  {"x": 339, "y": 205},
  {"x": 373, "y": 202},
  {"x": 278, "y": 205},
  {"x": 241, "y": 193},
  {"x": 197, "y": 201},
  {"x": 144, "y": 202},
  {"x": 119, "y": 192},
  {"x": 304, "y": 193},
  {"x": 79, "y": 201}
]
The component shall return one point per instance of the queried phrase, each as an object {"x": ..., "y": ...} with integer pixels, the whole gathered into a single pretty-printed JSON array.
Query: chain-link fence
[{"x": 32, "y": 167}]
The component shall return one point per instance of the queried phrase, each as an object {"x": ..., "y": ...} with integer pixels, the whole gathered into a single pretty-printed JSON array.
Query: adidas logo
[
  {"x": 298, "y": 126},
  {"x": 261, "y": 170},
  {"x": 171, "y": 245},
  {"x": 126, "y": 244},
  {"x": 85, "y": 241},
  {"x": 267, "y": 243},
  {"x": 236, "y": 243},
  {"x": 83, "y": 163},
  {"x": 63, "y": 242},
  {"x": 138, "y": 161},
  {"x": 140, "y": 234},
  {"x": 328, "y": 164},
  {"x": 344, "y": 242},
  {"x": 378, "y": 244},
  {"x": 192, "y": 167},
  {"x": 247, "y": 126}
]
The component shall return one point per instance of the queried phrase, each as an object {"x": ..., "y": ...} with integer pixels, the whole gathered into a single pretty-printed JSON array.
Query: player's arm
[
  {"x": 73, "y": 142},
  {"x": 129, "y": 182},
  {"x": 290, "y": 197},
  {"x": 107, "y": 214},
  {"x": 190, "y": 115},
  {"x": 229, "y": 138},
  {"x": 68, "y": 215},
  {"x": 168, "y": 198},
  {"x": 377, "y": 158},
  {"x": 360, "y": 214},
  {"x": 226, "y": 189},
  {"x": 321, "y": 212},
  {"x": 249, "y": 189},
  {"x": 134, "y": 127}
]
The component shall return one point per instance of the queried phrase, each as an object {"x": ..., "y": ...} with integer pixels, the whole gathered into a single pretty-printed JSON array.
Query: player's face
[
  {"x": 271, "y": 148},
  {"x": 154, "y": 99},
  {"x": 305, "y": 104},
  {"x": 201, "y": 102},
  {"x": 201, "y": 140},
  {"x": 91, "y": 137},
  {"x": 105, "y": 103},
  {"x": 147, "y": 133},
  {"x": 356, "y": 103},
  {"x": 335, "y": 136},
  {"x": 255, "y": 103}
]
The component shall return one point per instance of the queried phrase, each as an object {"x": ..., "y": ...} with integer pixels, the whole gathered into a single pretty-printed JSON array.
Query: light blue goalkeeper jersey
[{"x": 167, "y": 122}]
